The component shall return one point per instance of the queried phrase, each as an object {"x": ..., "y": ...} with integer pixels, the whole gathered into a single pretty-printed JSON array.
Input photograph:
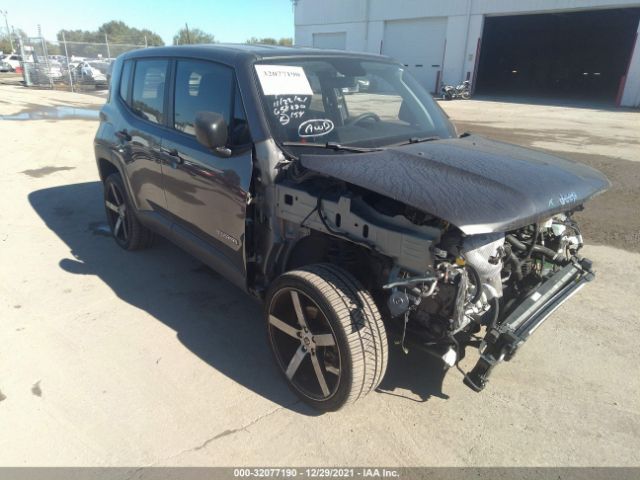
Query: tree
[
  {"x": 5, "y": 43},
  {"x": 119, "y": 32},
  {"x": 270, "y": 41},
  {"x": 192, "y": 35},
  {"x": 116, "y": 31}
]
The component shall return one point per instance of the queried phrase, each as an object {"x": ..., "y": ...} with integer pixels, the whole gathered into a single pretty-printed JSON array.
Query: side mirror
[
  {"x": 363, "y": 85},
  {"x": 211, "y": 131}
]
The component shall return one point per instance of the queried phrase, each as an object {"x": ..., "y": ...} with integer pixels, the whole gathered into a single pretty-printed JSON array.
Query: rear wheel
[
  {"x": 127, "y": 231},
  {"x": 327, "y": 335}
]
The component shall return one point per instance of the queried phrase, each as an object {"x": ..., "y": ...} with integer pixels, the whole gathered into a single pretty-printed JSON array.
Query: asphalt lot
[{"x": 113, "y": 358}]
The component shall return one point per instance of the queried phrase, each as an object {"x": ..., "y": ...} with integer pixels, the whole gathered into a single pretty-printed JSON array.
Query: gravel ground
[{"x": 112, "y": 358}]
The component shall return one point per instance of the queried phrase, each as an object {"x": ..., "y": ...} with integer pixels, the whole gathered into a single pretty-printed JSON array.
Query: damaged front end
[
  {"x": 479, "y": 236},
  {"x": 440, "y": 286},
  {"x": 507, "y": 283},
  {"x": 502, "y": 340}
]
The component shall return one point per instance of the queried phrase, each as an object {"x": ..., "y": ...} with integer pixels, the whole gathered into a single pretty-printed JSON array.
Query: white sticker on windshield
[{"x": 283, "y": 80}]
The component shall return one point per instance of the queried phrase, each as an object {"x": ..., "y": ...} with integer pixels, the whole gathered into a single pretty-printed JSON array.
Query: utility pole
[
  {"x": 66, "y": 54},
  {"x": 6, "y": 22},
  {"x": 188, "y": 36},
  {"x": 106, "y": 41}
]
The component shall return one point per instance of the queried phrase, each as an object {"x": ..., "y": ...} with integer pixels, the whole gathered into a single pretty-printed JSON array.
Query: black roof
[{"x": 234, "y": 53}]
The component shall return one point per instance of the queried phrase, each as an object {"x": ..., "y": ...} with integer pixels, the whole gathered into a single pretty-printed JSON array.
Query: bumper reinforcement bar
[{"x": 502, "y": 341}]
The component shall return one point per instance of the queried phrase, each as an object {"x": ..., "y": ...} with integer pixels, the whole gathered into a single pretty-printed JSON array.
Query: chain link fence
[{"x": 68, "y": 65}]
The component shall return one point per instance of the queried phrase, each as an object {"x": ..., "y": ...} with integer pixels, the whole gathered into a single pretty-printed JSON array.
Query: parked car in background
[
  {"x": 85, "y": 72},
  {"x": 54, "y": 70},
  {"x": 10, "y": 62},
  {"x": 348, "y": 216},
  {"x": 44, "y": 72}
]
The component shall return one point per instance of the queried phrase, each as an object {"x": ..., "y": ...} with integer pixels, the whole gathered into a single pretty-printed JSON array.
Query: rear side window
[
  {"x": 148, "y": 89},
  {"x": 125, "y": 80},
  {"x": 201, "y": 86}
]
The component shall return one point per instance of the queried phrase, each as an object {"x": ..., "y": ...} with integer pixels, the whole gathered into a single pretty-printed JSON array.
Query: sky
[{"x": 228, "y": 20}]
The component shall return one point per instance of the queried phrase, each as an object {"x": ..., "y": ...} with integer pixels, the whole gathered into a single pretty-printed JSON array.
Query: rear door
[
  {"x": 206, "y": 193},
  {"x": 139, "y": 135}
]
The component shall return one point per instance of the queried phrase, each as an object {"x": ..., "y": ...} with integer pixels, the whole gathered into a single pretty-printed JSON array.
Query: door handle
[
  {"x": 123, "y": 135},
  {"x": 172, "y": 152}
]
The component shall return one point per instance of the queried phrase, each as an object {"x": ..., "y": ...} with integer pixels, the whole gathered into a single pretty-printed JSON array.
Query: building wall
[{"x": 363, "y": 21}]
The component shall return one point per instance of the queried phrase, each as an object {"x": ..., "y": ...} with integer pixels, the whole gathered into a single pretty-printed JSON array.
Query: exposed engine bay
[
  {"x": 474, "y": 278},
  {"x": 441, "y": 285}
]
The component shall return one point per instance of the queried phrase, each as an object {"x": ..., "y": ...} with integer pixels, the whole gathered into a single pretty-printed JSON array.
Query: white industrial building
[{"x": 586, "y": 49}]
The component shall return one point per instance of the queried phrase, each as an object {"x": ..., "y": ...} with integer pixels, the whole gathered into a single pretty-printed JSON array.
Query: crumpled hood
[{"x": 478, "y": 185}]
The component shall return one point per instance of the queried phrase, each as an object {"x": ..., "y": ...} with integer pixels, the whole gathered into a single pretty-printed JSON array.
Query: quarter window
[
  {"x": 125, "y": 80},
  {"x": 148, "y": 89}
]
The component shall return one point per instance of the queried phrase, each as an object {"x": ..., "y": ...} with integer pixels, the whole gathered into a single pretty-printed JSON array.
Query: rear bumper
[{"x": 502, "y": 341}]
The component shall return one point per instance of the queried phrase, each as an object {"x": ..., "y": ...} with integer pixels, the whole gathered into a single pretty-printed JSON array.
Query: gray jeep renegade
[{"x": 332, "y": 187}]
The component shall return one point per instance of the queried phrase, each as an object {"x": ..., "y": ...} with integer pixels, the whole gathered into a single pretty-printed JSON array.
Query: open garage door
[
  {"x": 577, "y": 55},
  {"x": 419, "y": 45}
]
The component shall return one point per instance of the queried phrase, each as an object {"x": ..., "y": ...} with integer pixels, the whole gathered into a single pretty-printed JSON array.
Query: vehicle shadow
[
  {"x": 212, "y": 318},
  {"x": 420, "y": 372},
  {"x": 417, "y": 372}
]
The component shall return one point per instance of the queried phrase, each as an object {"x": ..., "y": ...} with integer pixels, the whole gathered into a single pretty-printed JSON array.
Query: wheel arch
[
  {"x": 107, "y": 167},
  {"x": 364, "y": 264}
]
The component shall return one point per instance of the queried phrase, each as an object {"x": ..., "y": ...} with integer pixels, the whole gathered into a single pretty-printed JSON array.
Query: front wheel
[
  {"x": 466, "y": 95},
  {"x": 327, "y": 335}
]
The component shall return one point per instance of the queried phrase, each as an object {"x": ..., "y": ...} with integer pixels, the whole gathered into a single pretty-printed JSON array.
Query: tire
[
  {"x": 125, "y": 227},
  {"x": 466, "y": 95},
  {"x": 342, "y": 336}
]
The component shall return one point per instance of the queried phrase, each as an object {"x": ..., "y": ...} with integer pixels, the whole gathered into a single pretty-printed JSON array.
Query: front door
[{"x": 206, "y": 193}]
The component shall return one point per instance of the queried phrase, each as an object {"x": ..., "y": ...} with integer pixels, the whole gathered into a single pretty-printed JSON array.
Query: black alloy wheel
[
  {"x": 127, "y": 231},
  {"x": 305, "y": 344},
  {"x": 327, "y": 335}
]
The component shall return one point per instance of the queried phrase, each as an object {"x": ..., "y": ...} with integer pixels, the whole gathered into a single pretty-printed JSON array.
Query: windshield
[{"x": 347, "y": 101}]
